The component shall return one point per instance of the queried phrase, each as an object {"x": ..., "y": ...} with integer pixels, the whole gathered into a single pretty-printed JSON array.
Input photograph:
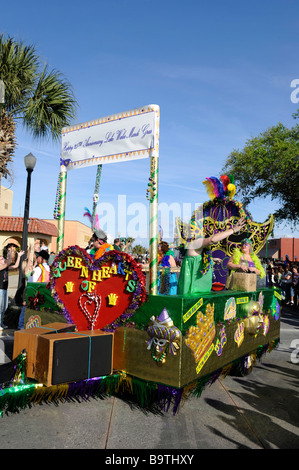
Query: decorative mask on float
[
  {"x": 164, "y": 337},
  {"x": 254, "y": 320}
]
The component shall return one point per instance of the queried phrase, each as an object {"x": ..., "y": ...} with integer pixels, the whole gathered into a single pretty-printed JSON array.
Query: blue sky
[{"x": 220, "y": 71}]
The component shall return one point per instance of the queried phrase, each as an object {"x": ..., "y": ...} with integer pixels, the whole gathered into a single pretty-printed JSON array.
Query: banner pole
[
  {"x": 95, "y": 197},
  {"x": 61, "y": 216},
  {"x": 153, "y": 211}
]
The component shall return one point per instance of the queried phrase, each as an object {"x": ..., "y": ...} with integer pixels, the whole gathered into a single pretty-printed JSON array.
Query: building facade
[
  {"x": 6, "y": 197},
  {"x": 75, "y": 233},
  {"x": 278, "y": 248},
  {"x": 42, "y": 233}
]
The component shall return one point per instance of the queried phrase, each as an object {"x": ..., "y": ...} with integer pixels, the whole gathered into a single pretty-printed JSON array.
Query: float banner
[{"x": 124, "y": 136}]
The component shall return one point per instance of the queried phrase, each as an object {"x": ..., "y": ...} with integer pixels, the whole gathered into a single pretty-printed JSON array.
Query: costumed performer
[
  {"x": 41, "y": 271},
  {"x": 197, "y": 267},
  {"x": 245, "y": 260},
  {"x": 166, "y": 257},
  {"x": 100, "y": 245}
]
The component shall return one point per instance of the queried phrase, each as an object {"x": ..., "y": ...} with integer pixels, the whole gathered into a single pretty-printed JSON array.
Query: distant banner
[{"x": 130, "y": 135}]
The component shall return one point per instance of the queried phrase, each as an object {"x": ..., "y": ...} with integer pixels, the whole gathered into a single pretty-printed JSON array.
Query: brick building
[{"x": 278, "y": 248}]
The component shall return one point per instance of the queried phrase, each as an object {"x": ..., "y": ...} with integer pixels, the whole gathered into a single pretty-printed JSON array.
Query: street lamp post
[{"x": 30, "y": 161}]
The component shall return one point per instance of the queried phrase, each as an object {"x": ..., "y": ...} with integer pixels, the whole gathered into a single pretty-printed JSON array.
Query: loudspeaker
[
  {"x": 27, "y": 340},
  {"x": 67, "y": 357}
]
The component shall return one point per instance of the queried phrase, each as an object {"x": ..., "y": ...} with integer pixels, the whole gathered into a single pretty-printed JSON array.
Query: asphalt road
[{"x": 259, "y": 411}]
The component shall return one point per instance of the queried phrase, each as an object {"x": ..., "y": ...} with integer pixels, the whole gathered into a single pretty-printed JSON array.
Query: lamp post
[{"x": 30, "y": 161}]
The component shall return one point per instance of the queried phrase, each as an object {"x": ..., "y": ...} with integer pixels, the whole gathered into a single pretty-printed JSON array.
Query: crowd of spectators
[{"x": 285, "y": 275}]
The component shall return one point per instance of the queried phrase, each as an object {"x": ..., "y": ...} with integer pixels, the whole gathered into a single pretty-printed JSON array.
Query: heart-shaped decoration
[{"x": 99, "y": 294}]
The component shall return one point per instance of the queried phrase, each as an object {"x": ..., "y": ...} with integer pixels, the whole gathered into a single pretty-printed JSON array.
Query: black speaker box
[{"x": 72, "y": 357}]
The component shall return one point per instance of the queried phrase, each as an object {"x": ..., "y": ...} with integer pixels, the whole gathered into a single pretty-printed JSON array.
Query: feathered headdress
[
  {"x": 87, "y": 214},
  {"x": 95, "y": 225},
  {"x": 220, "y": 189}
]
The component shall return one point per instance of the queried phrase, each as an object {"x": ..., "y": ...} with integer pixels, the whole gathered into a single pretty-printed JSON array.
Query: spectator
[
  {"x": 125, "y": 245},
  {"x": 279, "y": 275},
  {"x": 41, "y": 272},
  {"x": 270, "y": 276},
  {"x": 285, "y": 284},
  {"x": 294, "y": 286},
  {"x": 117, "y": 244},
  {"x": 5, "y": 266},
  {"x": 27, "y": 266},
  {"x": 51, "y": 258}
]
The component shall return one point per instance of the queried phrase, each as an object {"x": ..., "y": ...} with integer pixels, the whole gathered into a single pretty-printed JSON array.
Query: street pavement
[{"x": 259, "y": 411}]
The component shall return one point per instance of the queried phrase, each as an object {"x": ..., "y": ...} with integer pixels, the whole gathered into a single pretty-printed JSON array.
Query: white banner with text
[{"x": 130, "y": 135}]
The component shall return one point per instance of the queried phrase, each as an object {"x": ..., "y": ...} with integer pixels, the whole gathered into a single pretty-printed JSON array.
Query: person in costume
[
  {"x": 197, "y": 267},
  {"x": 166, "y": 260},
  {"x": 41, "y": 272},
  {"x": 100, "y": 245},
  {"x": 245, "y": 260}
]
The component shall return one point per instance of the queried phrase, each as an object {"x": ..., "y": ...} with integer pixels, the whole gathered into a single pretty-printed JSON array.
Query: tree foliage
[
  {"x": 42, "y": 98},
  {"x": 7, "y": 143},
  {"x": 138, "y": 250},
  {"x": 269, "y": 166}
]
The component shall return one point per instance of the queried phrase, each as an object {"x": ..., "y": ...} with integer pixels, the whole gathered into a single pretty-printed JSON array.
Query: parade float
[{"x": 95, "y": 330}]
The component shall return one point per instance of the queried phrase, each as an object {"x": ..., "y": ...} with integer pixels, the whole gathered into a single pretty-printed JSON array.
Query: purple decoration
[
  {"x": 163, "y": 316},
  {"x": 276, "y": 316},
  {"x": 168, "y": 395}
]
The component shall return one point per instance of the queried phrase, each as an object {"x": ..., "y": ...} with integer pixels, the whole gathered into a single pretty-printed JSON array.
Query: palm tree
[
  {"x": 40, "y": 98},
  {"x": 7, "y": 144}
]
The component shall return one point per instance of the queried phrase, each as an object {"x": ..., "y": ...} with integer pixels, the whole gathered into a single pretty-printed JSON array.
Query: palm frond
[
  {"x": 42, "y": 99},
  {"x": 19, "y": 71},
  {"x": 51, "y": 107},
  {"x": 7, "y": 143}
]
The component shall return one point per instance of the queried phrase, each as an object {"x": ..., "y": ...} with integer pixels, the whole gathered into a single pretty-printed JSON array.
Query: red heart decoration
[{"x": 99, "y": 294}]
